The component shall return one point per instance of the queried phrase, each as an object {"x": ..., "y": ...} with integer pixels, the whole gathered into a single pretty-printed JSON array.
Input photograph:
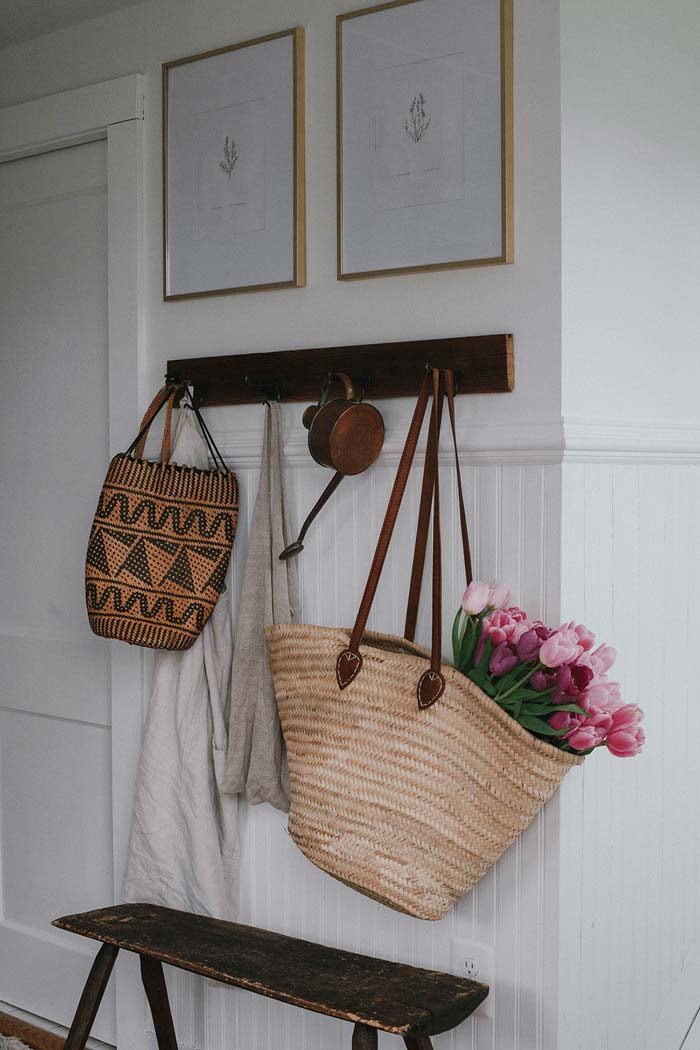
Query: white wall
[
  {"x": 630, "y": 83},
  {"x": 630, "y": 852},
  {"x": 523, "y": 298},
  {"x": 630, "y": 900},
  {"x": 514, "y": 495},
  {"x": 629, "y": 273}
]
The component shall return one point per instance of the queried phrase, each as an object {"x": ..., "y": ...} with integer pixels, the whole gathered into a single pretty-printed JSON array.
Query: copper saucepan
[{"x": 345, "y": 434}]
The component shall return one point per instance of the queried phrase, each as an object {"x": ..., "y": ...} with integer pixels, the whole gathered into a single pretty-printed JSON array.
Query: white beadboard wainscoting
[
  {"x": 513, "y": 510},
  {"x": 593, "y": 933},
  {"x": 630, "y": 849}
]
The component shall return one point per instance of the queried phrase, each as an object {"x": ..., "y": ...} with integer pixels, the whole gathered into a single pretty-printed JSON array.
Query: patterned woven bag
[
  {"x": 161, "y": 541},
  {"x": 407, "y": 781}
]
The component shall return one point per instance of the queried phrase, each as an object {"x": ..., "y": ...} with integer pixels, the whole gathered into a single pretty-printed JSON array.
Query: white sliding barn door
[
  {"x": 69, "y": 222},
  {"x": 55, "y": 752}
]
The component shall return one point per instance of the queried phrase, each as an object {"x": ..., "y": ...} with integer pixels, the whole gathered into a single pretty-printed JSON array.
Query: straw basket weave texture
[
  {"x": 160, "y": 541},
  {"x": 411, "y": 807},
  {"x": 158, "y": 553}
]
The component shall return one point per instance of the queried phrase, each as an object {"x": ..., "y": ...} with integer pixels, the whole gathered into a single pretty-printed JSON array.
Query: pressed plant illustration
[
  {"x": 230, "y": 160},
  {"x": 418, "y": 121}
]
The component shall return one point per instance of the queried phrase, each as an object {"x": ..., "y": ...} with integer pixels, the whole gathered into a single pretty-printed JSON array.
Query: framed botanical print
[
  {"x": 425, "y": 157},
  {"x": 233, "y": 168}
]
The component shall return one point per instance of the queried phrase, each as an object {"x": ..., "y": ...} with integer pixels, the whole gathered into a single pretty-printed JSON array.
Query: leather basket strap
[
  {"x": 414, "y": 591},
  {"x": 431, "y": 684},
  {"x": 422, "y": 529},
  {"x": 349, "y": 662},
  {"x": 450, "y": 390},
  {"x": 165, "y": 396}
]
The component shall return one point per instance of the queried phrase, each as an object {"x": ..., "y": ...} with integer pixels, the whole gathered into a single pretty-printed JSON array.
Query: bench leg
[
  {"x": 91, "y": 998},
  {"x": 418, "y": 1042},
  {"x": 364, "y": 1037},
  {"x": 157, "y": 995}
]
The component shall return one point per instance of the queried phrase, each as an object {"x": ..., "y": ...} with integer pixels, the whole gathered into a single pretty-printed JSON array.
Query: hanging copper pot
[{"x": 345, "y": 434}]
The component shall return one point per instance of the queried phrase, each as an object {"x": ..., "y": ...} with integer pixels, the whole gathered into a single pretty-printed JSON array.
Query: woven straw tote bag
[
  {"x": 407, "y": 781},
  {"x": 160, "y": 542}
]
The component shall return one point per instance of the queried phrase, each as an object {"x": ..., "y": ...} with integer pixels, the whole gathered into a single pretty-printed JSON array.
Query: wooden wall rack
[{"x": 483, "y": 364}]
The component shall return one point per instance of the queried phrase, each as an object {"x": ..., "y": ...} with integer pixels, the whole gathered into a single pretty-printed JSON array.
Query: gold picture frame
[
  {"x": 298, "y": 277},
  {"x": 506, "y": 254}
]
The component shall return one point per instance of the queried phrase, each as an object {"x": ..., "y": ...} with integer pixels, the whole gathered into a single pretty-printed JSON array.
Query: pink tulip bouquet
[{"x": 552, "y": 681}]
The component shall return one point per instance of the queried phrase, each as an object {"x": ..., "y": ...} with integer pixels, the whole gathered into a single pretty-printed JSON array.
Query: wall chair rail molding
[
  {"x": 647, "y": 441},
  {"x": 483, "y": 364}
]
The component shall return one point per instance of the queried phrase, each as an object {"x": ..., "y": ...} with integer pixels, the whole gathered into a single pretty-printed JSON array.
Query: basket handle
[
  {"x": 423, "y": 525},
  {"x": 349, "y": 663},
  {"x": 165, "y": 396}
]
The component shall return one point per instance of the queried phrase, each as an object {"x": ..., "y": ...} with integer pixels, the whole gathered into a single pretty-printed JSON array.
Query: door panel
[
  {"x": 55, "y": 776},
  {"x": 55, "y": 790}
]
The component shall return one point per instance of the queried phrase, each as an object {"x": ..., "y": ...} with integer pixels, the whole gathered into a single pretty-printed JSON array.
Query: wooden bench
[{"x": 372, "y": 993}]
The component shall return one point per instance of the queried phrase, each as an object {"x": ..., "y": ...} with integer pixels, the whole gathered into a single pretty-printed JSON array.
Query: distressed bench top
[{"x": 389, "y": 996}]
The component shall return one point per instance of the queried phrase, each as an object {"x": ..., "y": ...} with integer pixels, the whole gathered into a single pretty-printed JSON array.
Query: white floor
[{"x": 48, "y": 1026}]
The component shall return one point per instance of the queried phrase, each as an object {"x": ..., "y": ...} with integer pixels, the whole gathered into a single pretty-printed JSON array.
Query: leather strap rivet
[
  {"x": 347, "y": 668},
  {"x": 430, "y": 688}
]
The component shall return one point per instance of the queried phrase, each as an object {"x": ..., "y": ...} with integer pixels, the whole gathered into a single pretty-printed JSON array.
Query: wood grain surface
[
  {"x": 483, "y": 364},
  {"x": 36, "y": 1038},
  {"x": 374, "y": 992}
]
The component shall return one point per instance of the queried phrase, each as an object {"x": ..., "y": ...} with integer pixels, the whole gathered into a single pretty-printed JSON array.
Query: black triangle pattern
[
  {"x": 218, "y": 577},
  {"x": 127, "y": 538},
  {"x": 207, "y": 552},
  {"x": 181, "y": 572},
  {"x": 96, "y": 554},
  {"x": 165, "y": 545},
  {"x": 137, "y": 563},
  {"x": 154, "y": 519}
]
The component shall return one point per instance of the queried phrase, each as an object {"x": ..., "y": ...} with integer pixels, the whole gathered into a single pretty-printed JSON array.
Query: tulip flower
[
  {"x": 625, "y": 742},
  {"x": 528, "y": 645},
  {"x": 499, "y": 596},
  {"x": 552, "y": 681},
  {"x": 565, "y": 720},
  {"x": 586, "y": 638},
  {"x": 503, "y": 660},
  {"x": 605, "y": 695},
  {"x": 476, "y": 598},
  {"x": 603, "y": 658},
  {"x": 626, "y": 717},
  {"x": 562, "y": 647},
  {"x": 584, "y": 737}
]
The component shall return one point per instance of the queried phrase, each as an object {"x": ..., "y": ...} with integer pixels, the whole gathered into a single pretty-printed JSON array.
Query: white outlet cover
[{"x": 468, "y": 956}]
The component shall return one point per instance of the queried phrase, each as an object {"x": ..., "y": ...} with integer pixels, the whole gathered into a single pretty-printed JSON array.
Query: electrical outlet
[{"x": 478, "y": 962}]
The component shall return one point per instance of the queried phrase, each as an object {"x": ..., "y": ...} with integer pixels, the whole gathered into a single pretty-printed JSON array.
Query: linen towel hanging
[
  {"x": 183, "y": 849},
  {"x": 256, "y": 765},
  {"x": 408, "y": 781}
]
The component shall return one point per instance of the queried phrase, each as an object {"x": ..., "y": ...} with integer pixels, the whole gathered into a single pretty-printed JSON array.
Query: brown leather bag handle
[
  {"x": 450, "y": 390},
  {"x": 431, "y": 684},
  {"x": 165, "y": 396},
  {"x": 422, "y": 529},
  {"x": 423, "y": 525}
]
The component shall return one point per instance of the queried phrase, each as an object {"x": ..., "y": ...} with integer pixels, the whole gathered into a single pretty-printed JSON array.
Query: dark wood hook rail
[{"x": 483, "y": 364}]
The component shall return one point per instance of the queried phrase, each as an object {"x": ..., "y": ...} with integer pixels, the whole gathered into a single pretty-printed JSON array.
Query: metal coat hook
[
  {"x": 268, "y": 391},
  {"x": 457, "y": 374}
]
